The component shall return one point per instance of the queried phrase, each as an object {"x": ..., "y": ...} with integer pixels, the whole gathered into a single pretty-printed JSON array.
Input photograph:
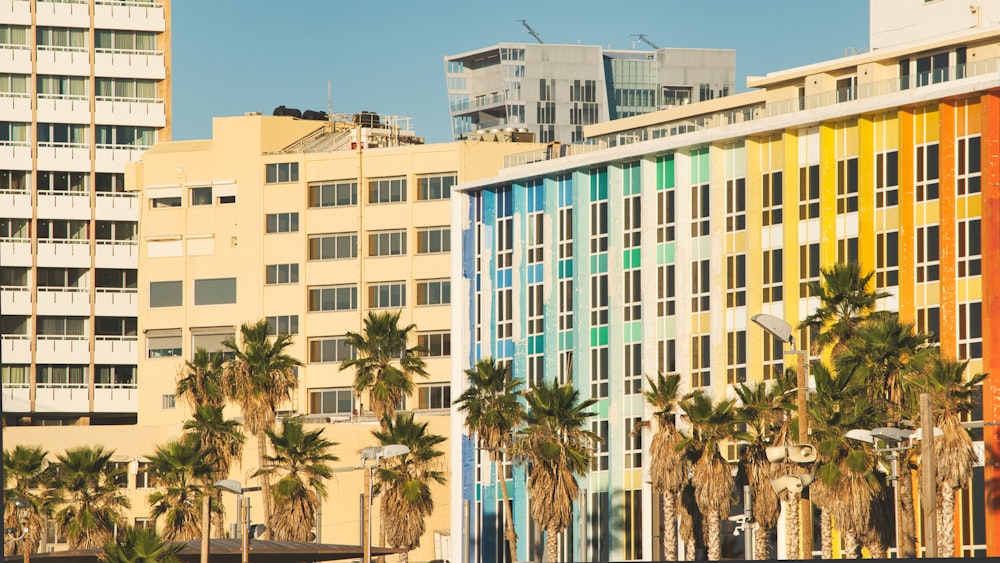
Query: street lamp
[
  {"x": 781, "y": 330},
  {"x": 375, "y": 454},
  {"x": 22, "y": 505},
  {"x": 242, "y": 504}
]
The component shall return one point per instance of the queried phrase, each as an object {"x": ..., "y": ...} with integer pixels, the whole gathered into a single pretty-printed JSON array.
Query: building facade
[
  {"x": 651, "y": 255},
  {"x": 554, "y": 91},
  {"x": 84, "y": 89}
]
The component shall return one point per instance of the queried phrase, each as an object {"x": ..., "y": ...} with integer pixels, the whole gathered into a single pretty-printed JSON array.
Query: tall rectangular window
[
  {"x": 808, "y": 267},
  {"x": 536, "y": 308},
  {"x": 970, "y": 330},
  {"x": 701, "y": 360},
  {"x": 926, "y": 178},
  {"x": 666, "y": 292},
  {"x": 701, "y": 286},
  {"x": 772, "y": 270},
  {"x": 736, "y": 357},
  {"x": 736, "y": 205},
  {"x": 566, "y": 304},
  {"x": 887, "y": 179},
  {"x": 809, "y": 192},
  {"x": 887, "y": 259},
  {"x": 928, "y": 253},
  {"x": 967, "y": 170},
  {"x": 700, "y": 210},
  {"x": 337, "y": 246},
  {"x": 599, "y": 462},
  {"x": 633, "y": 295},
  {"x": 599, "y": 368},
  {"x": 633, "y": 525},
  {"x": 599, "y": 300},
  {"x": 736, "y": 280},
  {"x": 505, "y": 313},
  {"x": 969, "y": 248},
  {"x": 281, "y": 172},
  {"x": 633, "y": 368},
  {"x": 773, "y": 357},
  {"x": 847, "y": 185}
]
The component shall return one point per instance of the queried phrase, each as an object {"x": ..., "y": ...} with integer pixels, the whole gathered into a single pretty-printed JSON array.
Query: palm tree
[
  {"x": 27, "y": 475},
  {"x": 667, "y": 469},
  {"x": 200, "y": 380},
  {"x": 182, "y": 469},
  {"x": 300, "y": 460},
  {"x": 493, "y": 411},
  {"x": 764, "y": 409},
  {"x": 384, "y": 366},
  {"x": 711, "y": 425},
  {"x": 556, "y": 448},
  {"x": 140, "y": 545},
  {"x": 405, "y": 481},
  {"x": 846, "y": 300},
  {"x": 262, "y": 375},
  {"x": 94, "y": 502},
  {"x": 952, "y": 396},
  {"x": 218, "y": 438}
]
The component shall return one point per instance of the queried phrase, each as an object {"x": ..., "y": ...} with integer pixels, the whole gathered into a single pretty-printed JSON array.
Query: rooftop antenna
[
  {"x": 642, "y": 38},
  {"x": 531, "y": 31}
]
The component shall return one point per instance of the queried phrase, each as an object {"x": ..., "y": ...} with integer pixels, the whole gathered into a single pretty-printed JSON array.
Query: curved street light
[{"x": 242, "y": 504}]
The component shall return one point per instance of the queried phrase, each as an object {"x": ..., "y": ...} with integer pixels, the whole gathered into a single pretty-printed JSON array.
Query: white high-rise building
[{"x": 84, "y": 88}]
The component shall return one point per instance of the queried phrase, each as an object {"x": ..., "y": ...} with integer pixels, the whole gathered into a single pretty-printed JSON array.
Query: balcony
[
  {"x": 55, "y": 108},
  {"x": 16, "y": 398},
  {"x": 116, "y": 302},
  {"x": 15, "y": 154},
  {"x": 137, "y": 14},
  {"x": 15, "y": 107},
  {"x": 60, "y": 349},
  {"x": 15, "y": 11},
  {"x": 15, "y": 348},
  {"x": 64, "y": 205},
  {"x": 15, "y": 251},
  {"x": 116, "y": 350},
  {"x": 129, "y": 64},
  {"x": 117, "y": 206},
  {"x": 15, "y": 300},
  {"x": 15, "y": 59},
  {"x": 64, "y": 301},
  {"x": 15, "y": 204},
  {"x": 63, "y": 253},
  {"x": 115, "y": 398},
  {"x": 70, "y": 157},
  {"x": 130, "y": 111},
  {"x": 65, "y": 13},
  {"x": 62, "y": 397},
  {"x": 114, "y": 159},
  {"x": 117, "y": 254},
  {"x": 63, "y": 60}
]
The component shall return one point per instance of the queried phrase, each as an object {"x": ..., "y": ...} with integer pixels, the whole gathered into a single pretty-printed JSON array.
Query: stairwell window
[
  {"x": 281, "y": 172},
  {"x": 387, "y": 190}
]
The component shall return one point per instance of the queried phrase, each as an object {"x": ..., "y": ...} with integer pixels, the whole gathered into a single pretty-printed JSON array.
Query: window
[
  {"x": 633, "y": 368},
  {"x": 49, "y": 375},
  {"x": 14, "y": 325},
  {"x": 736, "y": 205},
  {"x": 929, "y": 321},
  {"x": 967, "y": 174},
  {"x": 217, "y": 291},
  {"x": 666, "y": 291},
  {"x": 633, "y": 295},
  {"x": 969, "y": 248},
  {"x": 808, "y": 267},
  {"x": 333, "y": 298},
  {"x": 887, "y": 179},
  {"x": 13, "y": 180},
  {"x": 887, "y": 259},
  {"x": 928, "y": 253},
  {"x": 736, "y": 357},
  {"x": 970, "y": 330},
  {"x": 435, "y": 187},
  {"x": 63, "y": 277},
  {"x": 433, "y": 241},
  {"x": 387, "y": 190},
  {"x": 163, "y": 343},
  {"x": 701, "y": 286},
  {"x": 330, "y": 349},
  {"x": 169, "y": 402},
  {"x": 926, "y": 184},
  {"x": 124, "y": 136},
  {"x": 700, "y": 210},
  {"x": 119, "y": 473},
  {"x": 666, "y": 359},
  {"x": 60, "y": 229},
  {"x": 15, "y": 277},
  {"x": 46, "y": 181},
  {"x": 536, "y": 370},
  {"x": 435, "y": 344},
  {"x": 281, "y": 172},
  {"x": 116, "y": 230},
  {"x": 566, "y": 304},
  {"x": 333, "y": 247},
  {"x": 434, "y": 396},
  {"x": 633, "y": 442},
  {"x": 387, "y": 295},
  {"x": 144, "y": 477},
  {"x": 62, "y": 326},
  {"x": 736, "y": 280},
  {"x": 536, "y": 237},
  {"x": 126, "y": 89},
  {"x": 600, "y": 460},
  {"x": 773, "y": 357},
  {"x": 536, "y": 308},
  {"x": 632, "y": 205},
  {"x": 282, "y": 222},
  {"x": 282, "y": 274},
  {"x": 212, "y": 339},
  {"x": 15, "y": 229},
  {"x": 599, "y": 300},
  {"x": 159, "y": 202},
  {"x": 201, "y": 196},
  {"x": 772, "y": 192},
  {"x": 115, "y": 375},
  {"x": 773, "y": 264},
  {"x": 387, "y": 243},
  {"x": 283, "y": 324},
  {"x": 505, "y": 313},
  {"x": 701, "y": 360},
  {"x": 809, "y": 192},
  {"x": 434, "y": 292},
  {"x": 599, "y": 368},
  {"x": 331, "y": 401},
  {"x": 68, "y": 38},
  {"x": 847, "y": 185},
  {"x": 334, "y": 194},
  {"x": 62, "y": 134},
  {"x": 14, "y": 35},
  {"x": 633, "y": 525},
  {"x": 847, "y": 250},
  {"x": 115, "y": 326},
  {"x": 599, "y": 226},
  {"x": 124, "y": 41},
  {"x": 166, "y": 294}
]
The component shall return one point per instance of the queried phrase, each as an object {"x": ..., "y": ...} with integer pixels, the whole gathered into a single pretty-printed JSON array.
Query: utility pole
[{"x": 928, "y": 480}]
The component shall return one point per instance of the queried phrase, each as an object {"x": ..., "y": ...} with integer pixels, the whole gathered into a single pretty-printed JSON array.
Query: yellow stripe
[{"x": 827, "y": 196}]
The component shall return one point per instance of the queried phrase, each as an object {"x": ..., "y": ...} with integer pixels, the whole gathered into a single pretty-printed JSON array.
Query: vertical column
[
  {"x": 907, "y": 248},
  {"x": 948, "y": 251},
  {"x": 866, "y": 194},
  {"x": 827, "y": 194}
]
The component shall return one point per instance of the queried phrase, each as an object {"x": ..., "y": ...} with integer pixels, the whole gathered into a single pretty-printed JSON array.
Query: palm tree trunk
[
  {"x": 689, "y": 548},
  {"x": 792, "y": 520},
  {"x": 826, "y": 533},
  {"x": 907, "y": 514},
  {"x": 508, "y": 512},
  {"x": 877, "y": 550},
  {"x": 850, "y": 545},
  {"x": 713, "y": 533},
  {"x": 946, "y": 521},
  {"x": 404, "y": 557},
  {"x": 552, "y": 545},
  {"x": 760, "y": 537},
  {"x": 669, "y": 526},
  {"x": 265, "y": 483}
]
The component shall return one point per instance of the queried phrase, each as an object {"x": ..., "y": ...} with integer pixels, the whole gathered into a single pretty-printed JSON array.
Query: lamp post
[
  {"x": 22, "y": 505},
  {"x": 242, "y": 505},
  {"x": 375, "y": 454},
  {"x": 781, "y": 330}
]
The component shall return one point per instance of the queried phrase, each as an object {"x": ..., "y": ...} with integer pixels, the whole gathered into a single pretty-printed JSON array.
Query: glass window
[
  {"x": 201, "y": 196},
  {"x": 387, "y": 243},
  {"x": 283, "y": 324},
  {"x": 282, "y": 222},
  {"x": 330, "y": 349},
  {"x": 166, "y": 294},
  {"x": 386, "y": 295},
  {"x": 331, "y": 401},
  {"x": 282, "y": 274},
  {"x": 434, "y": 344},
  {"x": 218, "y": 291},
  {"x": 435, "y": 396},
  {"x": 333, "y": 247},
  {"x": 335, "y": 194},
  {"x": 387, "y": 190},
  {"x": 434, "y": 292},
  {"x": 333, "y": 298},
  {"x": 435, "y": 187},
  {"x": 282, "y": 172},
  {"x": 163, "y": 343},
  {"x": 434, "y": 240}
]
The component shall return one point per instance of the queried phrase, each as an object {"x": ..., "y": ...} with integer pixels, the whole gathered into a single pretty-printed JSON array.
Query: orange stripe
[
  {"x": 907, "y": 250},
  {"x": 946, "y": 189},
  {"x": 990, "y": 114}
]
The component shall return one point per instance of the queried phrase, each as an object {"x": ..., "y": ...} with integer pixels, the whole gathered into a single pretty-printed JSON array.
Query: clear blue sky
[{"x": 235, "y": 56}]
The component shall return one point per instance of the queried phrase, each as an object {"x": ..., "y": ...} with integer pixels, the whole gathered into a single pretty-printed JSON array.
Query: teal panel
[
  {"x": 665, "y": 172},
  {"x": 603, "y": 406},
  {"x": 593, "y": 337},
  {"x": 602, "y": 335},
  {"x": 602, "y": 263},
  {"x": 633, "y": 331}
]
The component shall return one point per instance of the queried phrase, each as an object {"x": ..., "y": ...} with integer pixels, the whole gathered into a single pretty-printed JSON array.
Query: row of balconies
[
  {"x": 16, "y": 349},
  {"x": 69, "y": 301},
  {"x": 71, "y": 398},
  {"x": 76, "y": 109},
  {"x": 110, "y": 206},
  {"x": 73, "y": 61},
  {"x": 139, "y": 15},
  {"x": 63, "y": 253},
  {"x": 68, "y": 157}
]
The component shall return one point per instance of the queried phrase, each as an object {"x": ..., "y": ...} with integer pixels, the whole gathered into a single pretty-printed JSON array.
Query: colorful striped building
[{"x": 652, "y": 253}]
